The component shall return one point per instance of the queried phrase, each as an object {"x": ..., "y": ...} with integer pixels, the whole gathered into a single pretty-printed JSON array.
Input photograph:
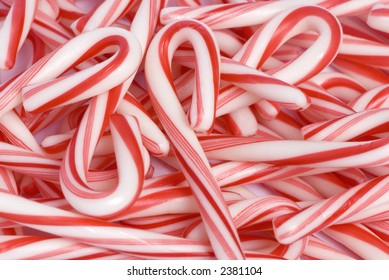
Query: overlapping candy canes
[
  {"x": 221, "y": 231},
  {"x": 195, "y": 129}
]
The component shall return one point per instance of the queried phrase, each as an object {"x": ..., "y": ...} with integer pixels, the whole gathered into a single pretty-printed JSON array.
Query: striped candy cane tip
[
  {"x": 115, "y": 201},
  {"x": 67, "y": 90},
  {"x": 14, "y": 30}
]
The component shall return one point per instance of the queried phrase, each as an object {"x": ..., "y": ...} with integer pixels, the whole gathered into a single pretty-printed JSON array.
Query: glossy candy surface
[{"x": 191, "y": 129}]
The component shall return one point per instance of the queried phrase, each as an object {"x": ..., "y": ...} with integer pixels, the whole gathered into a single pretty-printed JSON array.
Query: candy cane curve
[
  {"x": 109, "y": 202},
  {"x": 195, "y": 166},
  {"x": 286, "y": 25},
  {"x": 124, "y": 194},
  {"x": 90, "y": 82}
]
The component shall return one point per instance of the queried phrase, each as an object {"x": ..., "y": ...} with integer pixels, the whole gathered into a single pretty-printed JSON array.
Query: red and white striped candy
[
  {"x": 103, "y": 15},
  {"x": 140, "y": 243},
  {"x": 220, "y": 229},
  {"x": 317, "y": 249},
  {"x": 302, "y": 153},
  {"x": 360, "y": 240},
  {"x": 233, "y": 15},
  {"x": 27, "y": 162},
  {"x": 339, "y": 85},
  {"x": 362, "y": 203},
  {"x": 372, "y": 99},
  {"x": 369, "y": 77},
  {"x": 362, "y": 124},
  {"x": 274, "y": 33},
  {"x": 379, "y": 18},
  {"x": 83, "y": 84},
  {"x": 14, "y": 30},
  {"x": 98, "y": 199},
  {"x": 49, "y": 248},
  {"x": 275, "y": 112}
]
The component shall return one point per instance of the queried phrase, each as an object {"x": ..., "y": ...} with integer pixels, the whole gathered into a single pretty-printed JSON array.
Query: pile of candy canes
[{"x": 147, "y": 129}]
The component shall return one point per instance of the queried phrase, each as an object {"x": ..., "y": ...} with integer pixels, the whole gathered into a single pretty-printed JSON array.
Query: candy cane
[
  {"x": 380, "y": 228},
  {"x": 173, "y": 201},
  {"x": 228, "y": 15},
  {"x": 301, "y": 153},
  {"x": 14, "y": 30},
  {"x": 240, "y": 173},
  {"x": 38, "y": 122},
  {"x": 256, "y": 83},
  {"x": 358, "y": 50},
  {"x": 106, "y": 203},
  {"x": 174, "y": 224},
  {"x": 126, "y": 192},
  {"x": 266, "y": 110},
  {"x": 379, "y": 18},
  {"x": 360, "y": 240},
  {"x": 99, "y": 17},
  {"x": 347, "y": 8},
  {"x": 369, "y": 77},
  {"x": 69, "y": 11},
  {"x": 152, "y": 137},
  {"x": 324, "y": 106},
  {"x": 27, "y": 162},
  {"x": 50, "y": 31},
  {"x": 254, "y": 214},
  {"x": 49, "y": 248},
  {"x": 365, "y": 202},
  {"x": 319, "y": 250},
  {"x": 290, "y": 147},
  {"x": 196, "y": 168},
  {"x": 358, "y": 27},
  {"x": 267, "y": 39},
  {"x": 372, "y": 99},
  {"x": 87, "y": 80},
  {"x": 365, "y": 123},
  {"x": 248, "y": 14},
  {"x": 339, "y": 85},
  {"x": 48, "y": 189},
  {"x": 295, "y": 189},
  {"x": 7, "y": 181},
  {"x": 99, "y": 233},
  {"x": 49, "y": 7},
  {"x": 270, "y": 246},
  {"x": 327, "y": 184},
  {"x": 17, "y": 133},
  {"x": 273, "y": 34}
]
